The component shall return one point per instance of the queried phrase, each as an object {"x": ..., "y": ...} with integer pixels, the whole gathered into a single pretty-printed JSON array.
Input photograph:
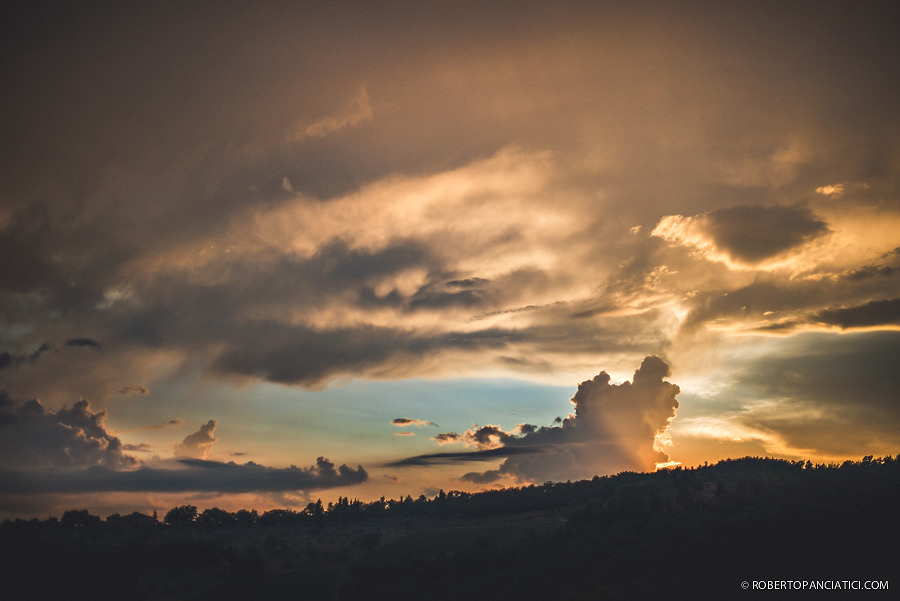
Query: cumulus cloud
[
  {"x": 191, "y": 475},
  {"x": 199, "y": 443},
  {"x": 613, "y": 427},
  {"x": 36, "y": 438},
  {"x": 446, "y": 438},
  {"x": 746, "y": 235}
]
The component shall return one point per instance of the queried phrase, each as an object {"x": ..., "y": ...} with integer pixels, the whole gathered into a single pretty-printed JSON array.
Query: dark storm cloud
[
  {"x": 300, "y": 355},
  {"x": 753, "y": 233},
  {"x": 25, "y": 248},
  {"x": 788, "y": 301},
  {"x": 613, "y": 428},
  {"x": 747, "y": 234},
  {"x": 828, "y": 393},
  {"x": 874, "y": 313},
  {"x": 195, "y": 475},
  {"x": 76, "y": 437}
]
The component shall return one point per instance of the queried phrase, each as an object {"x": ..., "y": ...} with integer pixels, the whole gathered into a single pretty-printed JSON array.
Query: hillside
[{"x": 688, "y": 533}]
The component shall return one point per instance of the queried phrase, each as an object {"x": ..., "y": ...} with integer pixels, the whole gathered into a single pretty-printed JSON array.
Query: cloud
[
  {"x": 873, "y": 313},
  {"x": 462, "y": 456},
  {"x": 814, "y": 395},
  {"x": 139, "y": 447},
  {"x": 9, "y": 360},
  {"x": 84, "y": 343},
  {"x": 32, "y": 437},
  {"x": 192, "y": 475},
  {"x": 487, "y": 437},
  {"x": 486, "y": 477},
  {"x": 70, "y": 451},
  {"x": 328, "y": 221},
  {"x": 169, "y": 424},
  {"x": 359, "y": 112},
  {"x": 747, "y": 235},
  {"x": 613, "y": 427},
  {"x": 402, "y": 422},
  {"x": 447, "y": 438},
  {"x": 198, "y": 444},
  {"x": 133, "y": 389},
  {"x": 404, "y": 433}
]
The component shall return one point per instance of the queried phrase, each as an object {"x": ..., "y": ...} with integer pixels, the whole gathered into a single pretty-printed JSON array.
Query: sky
[{"x": 257, "y": 254}]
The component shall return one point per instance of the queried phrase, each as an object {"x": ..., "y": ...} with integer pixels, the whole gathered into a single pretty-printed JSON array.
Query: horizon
[
  {"x": 161, "y": 517},
  {"x": 254, "y": 256}
]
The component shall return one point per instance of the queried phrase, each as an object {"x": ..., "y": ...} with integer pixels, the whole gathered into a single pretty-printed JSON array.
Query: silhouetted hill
[{"x": 685, "y": 533}]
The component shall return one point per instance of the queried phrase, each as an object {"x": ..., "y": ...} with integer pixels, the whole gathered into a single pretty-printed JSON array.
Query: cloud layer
[
  {"x": 71, "y": 451},
  {"x": 408, "y": 192}
]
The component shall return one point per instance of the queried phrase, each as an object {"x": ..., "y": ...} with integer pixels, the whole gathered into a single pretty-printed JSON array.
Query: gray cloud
[
  {"x": 755, "y": 233},
  {"x": 486, "y": 477},
  {"x": 446, "y": 438},
  {"x": 133, "y": 389},
  {"x": 406, "y": 421},
  {"x": 168, "y": 424},
  {"x": 140, "y": 447},
  {"x": 746, "y": 234},
  {"x": 36, "y": 438},
  {"x": 84, "y": 343},
  {"x": 462, "y": 456},
  {"x": 824, "y": 393},
  {"x": 195, "y": 475},
  {"x": 9, "y": 360},
  {"x": 874, "y": 313}
]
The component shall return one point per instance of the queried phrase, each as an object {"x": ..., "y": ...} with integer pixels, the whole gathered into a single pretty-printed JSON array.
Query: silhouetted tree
[
  {"x": 78, "y": 518},
  {"x": 215, "y": 518},
  {"x": 182, "y": 515}
]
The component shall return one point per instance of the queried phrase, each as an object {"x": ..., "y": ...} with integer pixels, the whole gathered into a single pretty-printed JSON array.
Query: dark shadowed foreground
[{"x": 694, "y": 533}]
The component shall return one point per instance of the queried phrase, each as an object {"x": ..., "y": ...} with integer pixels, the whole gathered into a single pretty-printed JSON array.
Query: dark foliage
[{"x": 686, "y": 533}]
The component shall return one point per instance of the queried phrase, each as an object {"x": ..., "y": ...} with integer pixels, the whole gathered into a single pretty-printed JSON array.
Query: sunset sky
[{"x": 255, "y": 254}]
